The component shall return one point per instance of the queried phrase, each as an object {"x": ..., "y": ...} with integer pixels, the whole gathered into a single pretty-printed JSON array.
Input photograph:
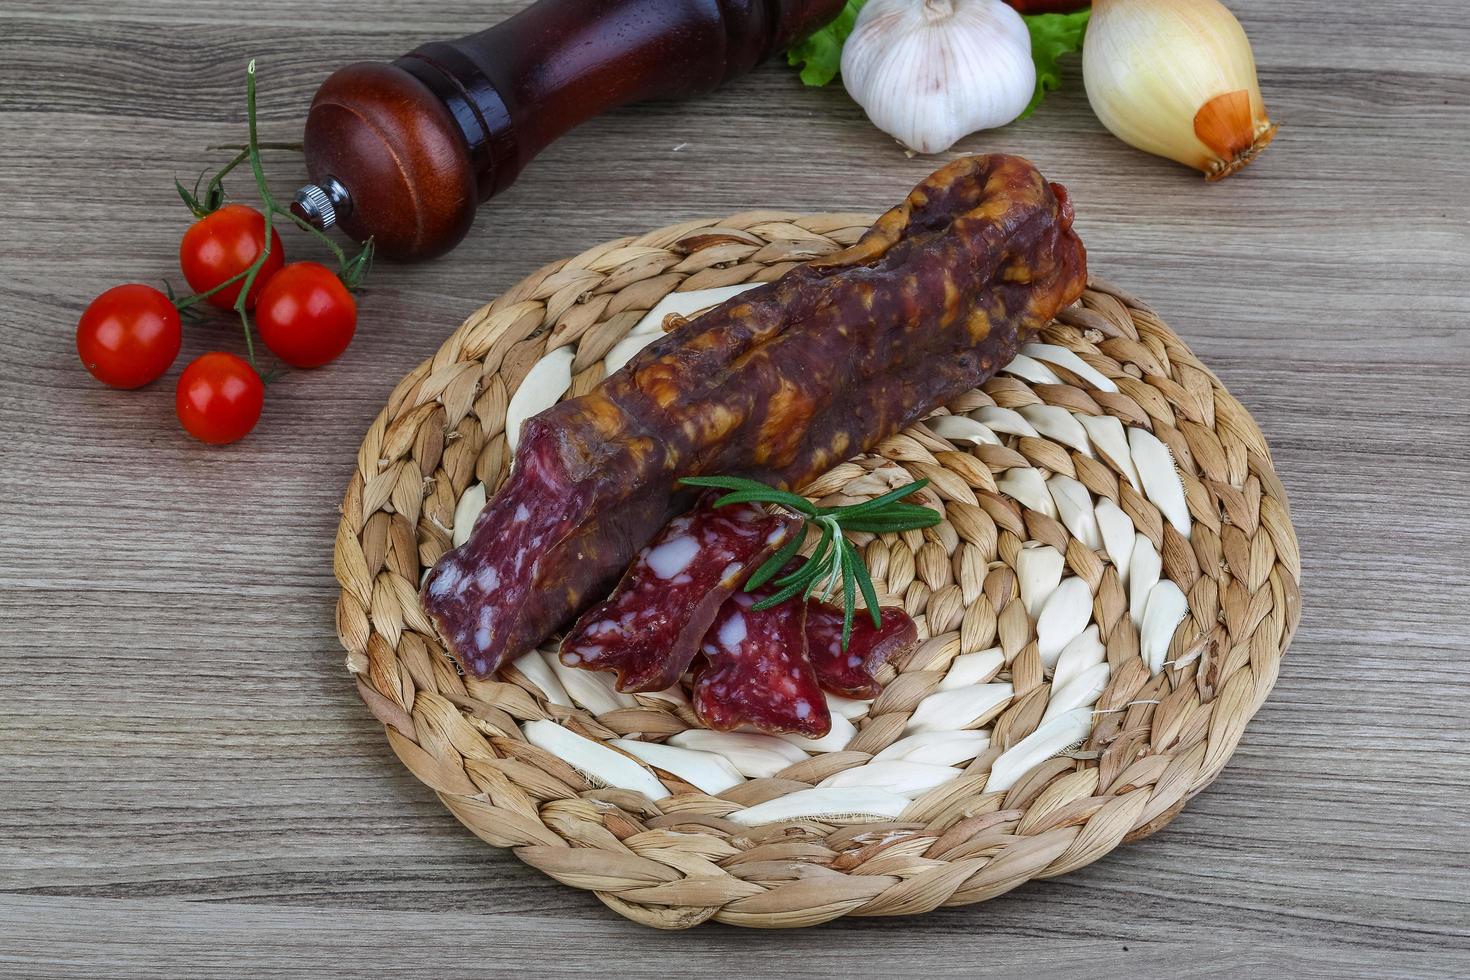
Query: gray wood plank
[
  {"x": 177, "y": 938},
  {"x": 189, "y": 782}
]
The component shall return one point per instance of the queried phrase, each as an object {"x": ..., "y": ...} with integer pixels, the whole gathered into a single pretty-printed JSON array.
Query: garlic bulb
[
  {"x": 930, "y": 71},
  {"x": 1176, "y": 78}
]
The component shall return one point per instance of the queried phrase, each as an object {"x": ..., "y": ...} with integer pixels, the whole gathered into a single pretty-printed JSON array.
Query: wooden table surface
[{"x": 188, "y": 782}]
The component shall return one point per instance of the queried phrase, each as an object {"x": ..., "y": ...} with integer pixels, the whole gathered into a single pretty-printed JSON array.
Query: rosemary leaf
[
  {"x": 894, "y": 514},
  {"x": 850, "y": 558},
  {"x": 776, "y": 562},
  {"x": 877, "y": 503},
  {"x": 751, "y": 491},
  {"x": 834, "y": 571},
  {"x": 865, "y": 583},
  {"x": 779, "y": 597},
  {"x": 824, "y": 574},
  {"x": 791, "y": 501},
  {"x": 814, "y": 563},
  {"x": 810, "y": 588},
  {"x": 888, "y": 526},
  {"x": 724, "y": 483},
  {"x": 808, "y": 571}
]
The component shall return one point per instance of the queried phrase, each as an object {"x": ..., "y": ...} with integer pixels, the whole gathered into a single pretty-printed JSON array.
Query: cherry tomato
[
  {"x": 306, "y": 316},
  {"x": 219, "y": 398},
  {"x": 129, "y": 336},
  {"x": 224, "y": 243}
]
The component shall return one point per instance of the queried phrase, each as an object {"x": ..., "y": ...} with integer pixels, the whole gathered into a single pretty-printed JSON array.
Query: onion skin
[{"x": 1226, "y": 125}]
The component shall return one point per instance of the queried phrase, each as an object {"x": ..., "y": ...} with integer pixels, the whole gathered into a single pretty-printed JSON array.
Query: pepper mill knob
[
  {"x": 405, "y": 152},
  {"x": 320, "y": 205},
  {"x": 388, "y": 161}
]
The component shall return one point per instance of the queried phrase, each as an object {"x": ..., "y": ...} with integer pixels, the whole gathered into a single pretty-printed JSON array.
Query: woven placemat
[{"x": 1157, "y": 738}]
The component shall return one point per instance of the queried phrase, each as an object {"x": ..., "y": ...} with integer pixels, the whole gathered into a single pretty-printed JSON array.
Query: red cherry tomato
[
  {"x": 306, "y": 316},
  {"x": 224, "y": 243},
  {"x": 219, "y": 398},
  {"x": 129, "y": 336}
]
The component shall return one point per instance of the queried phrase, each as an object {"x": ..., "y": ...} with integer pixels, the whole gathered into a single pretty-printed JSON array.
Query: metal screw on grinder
[{"x": 322, "y": 205}]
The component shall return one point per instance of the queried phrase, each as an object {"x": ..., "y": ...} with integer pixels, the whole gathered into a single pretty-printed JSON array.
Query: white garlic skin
[{"x": 928, "y": 72}]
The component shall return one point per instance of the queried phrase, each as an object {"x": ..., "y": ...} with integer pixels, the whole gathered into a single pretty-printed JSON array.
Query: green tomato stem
[
  {"x": 246, "y": 278},
  {"x": 216, "y": 182},
  {"x": 320, "y": 235}
]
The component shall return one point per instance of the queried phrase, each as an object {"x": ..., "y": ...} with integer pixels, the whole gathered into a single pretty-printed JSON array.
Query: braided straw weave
[{"x": 1156, "y": 739}]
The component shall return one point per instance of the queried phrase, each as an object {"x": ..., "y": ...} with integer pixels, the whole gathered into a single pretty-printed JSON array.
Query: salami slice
[
  {"x": 757, "y": 672},
  {"x": 650, "y": 629},
  {"x": 852, "y": 672}
]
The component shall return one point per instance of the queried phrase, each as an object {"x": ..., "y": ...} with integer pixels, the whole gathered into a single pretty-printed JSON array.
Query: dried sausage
[{"x": 779, "y": 384}]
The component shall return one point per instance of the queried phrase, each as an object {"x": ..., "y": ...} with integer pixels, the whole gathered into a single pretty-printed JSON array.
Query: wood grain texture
[{"x": 189, "y": 782}]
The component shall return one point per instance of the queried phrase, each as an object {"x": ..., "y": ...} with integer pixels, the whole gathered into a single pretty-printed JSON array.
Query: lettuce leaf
[
  {"x": 1053, "y": 35},
  {"x": 821, "y": 54}
]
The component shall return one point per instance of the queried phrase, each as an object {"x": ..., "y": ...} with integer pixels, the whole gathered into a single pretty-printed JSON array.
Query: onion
[{"x": 1176, "y": 78}]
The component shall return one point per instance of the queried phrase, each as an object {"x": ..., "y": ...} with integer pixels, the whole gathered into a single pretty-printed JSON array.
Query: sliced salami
[
  {"x": 757, "y": 673},
  {"x": 853, "y": 672},
  {"x": 649, "y": 630}
]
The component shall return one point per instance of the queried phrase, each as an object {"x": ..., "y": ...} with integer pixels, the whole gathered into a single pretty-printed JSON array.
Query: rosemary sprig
[{"x": 835, "y": 561}]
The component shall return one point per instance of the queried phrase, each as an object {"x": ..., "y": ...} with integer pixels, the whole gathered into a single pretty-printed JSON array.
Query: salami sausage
[
  {"x": 853, "y": 672},
  {"x": 650, "y": 629},
  {"x": 756, "y": 671},
  {"x": 779, "y": 384}
]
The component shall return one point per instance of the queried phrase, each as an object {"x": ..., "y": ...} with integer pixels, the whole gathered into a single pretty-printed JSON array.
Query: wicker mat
[{"x": 1098, "y": 622}]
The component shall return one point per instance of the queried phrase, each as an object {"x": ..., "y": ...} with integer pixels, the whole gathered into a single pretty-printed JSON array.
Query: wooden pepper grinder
[{"x": 406, "y": 151}]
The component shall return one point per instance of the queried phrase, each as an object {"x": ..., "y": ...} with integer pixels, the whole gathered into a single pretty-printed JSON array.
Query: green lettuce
[
  {"x": 1052, "y": 35},
  {"x": 820, "y": 55}
]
